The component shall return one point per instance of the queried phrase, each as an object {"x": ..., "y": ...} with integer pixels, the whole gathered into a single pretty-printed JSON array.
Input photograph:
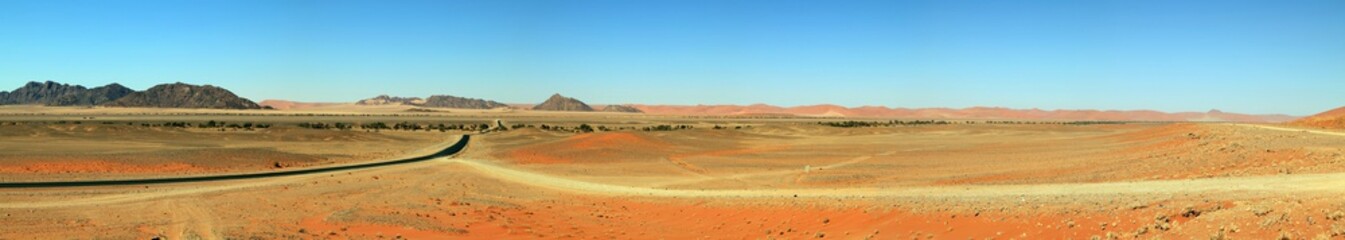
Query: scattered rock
[{"x": 182, "y": 95}]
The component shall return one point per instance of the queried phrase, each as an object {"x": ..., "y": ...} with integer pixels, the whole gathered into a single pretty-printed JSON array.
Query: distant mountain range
[
  {"x": 58, "y": 94},
  {"x": 389, "y": 100},
  {"x": 446, "y": 101},
  {"x": 965, "y": 113},
  {"x": 174, "y": 95},
  {"x": 438, "y": 101},
  {"x": 181, "y": 95},
  {"x": 556, "y": 102}
]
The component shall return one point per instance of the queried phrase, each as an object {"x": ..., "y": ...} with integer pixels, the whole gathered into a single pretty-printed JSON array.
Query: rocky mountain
[
  {"x": 446, "y": 101},
  {"x": 621, "y": 108},
  {"x": 436, "y": 101},
  {"x": 389, "y": 100},
  {"x": 562, "y": 103},
  {"x": 95, "y": 96},
  {"x": 1335, "y": 118},
  {"x": 182, "y": 95},
  {"x": 59, "y": 94},
  {"x": 40, "y": 92}
]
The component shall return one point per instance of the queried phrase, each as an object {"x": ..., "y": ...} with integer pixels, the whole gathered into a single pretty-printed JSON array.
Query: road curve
[{"x": 449, "y": 151}]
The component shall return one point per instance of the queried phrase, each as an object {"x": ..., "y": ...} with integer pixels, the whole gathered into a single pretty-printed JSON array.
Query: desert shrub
[
  {"x": 666, "y": 128},
  {"x": 375, "y": 125}
]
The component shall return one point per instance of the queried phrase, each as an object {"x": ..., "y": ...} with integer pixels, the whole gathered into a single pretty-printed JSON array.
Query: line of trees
[
  {"x": 409, "y": 126},
  {"x": 666, "y": 128},
  {"x": 318, "y": 125}
]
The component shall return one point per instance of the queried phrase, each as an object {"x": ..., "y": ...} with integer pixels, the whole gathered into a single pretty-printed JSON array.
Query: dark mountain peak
[
  {"x": 47, "y": 84},
  {"x": 447, "y": 101},
  {"x": 41, "y": 93},
  {"x": 384, "y": 99},
  {"x": 182, "y": 95},
  {"x": 561, "y": 103},
  {"x": 180, "y": 86},
  {"x": 114, "y": 86},
  {"x": 95, "y": 96}
]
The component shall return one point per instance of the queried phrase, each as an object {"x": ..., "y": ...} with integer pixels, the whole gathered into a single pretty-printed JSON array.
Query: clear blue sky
[{"x": 1237, "y": 56}]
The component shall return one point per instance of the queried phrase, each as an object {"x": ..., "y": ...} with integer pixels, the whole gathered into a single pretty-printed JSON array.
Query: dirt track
[
  {"x": 1329, "y": 182},
  {"x": 1316, "y": 183},
  {"x": 1332, "y": 133},
  {"x": 475, "y": 196}
]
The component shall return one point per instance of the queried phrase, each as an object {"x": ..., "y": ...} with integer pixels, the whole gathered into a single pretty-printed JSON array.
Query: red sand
[
  {"x": 95, "y": 166},
  {"x": 1335, "y": 118},
  {"x": 592, "y": 217},
  {"x": 592, "y": 145}
]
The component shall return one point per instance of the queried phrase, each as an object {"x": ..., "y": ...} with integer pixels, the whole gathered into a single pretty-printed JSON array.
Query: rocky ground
[{"x": 770, "y": 180}]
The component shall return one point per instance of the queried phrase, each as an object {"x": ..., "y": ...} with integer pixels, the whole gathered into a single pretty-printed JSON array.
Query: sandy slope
[
  {"x": 1332, "y": 133},
  {"x": 1334, "y": 118},
  {"x": 1317, "y": 183},
  {"x": 478, "y": 196}
]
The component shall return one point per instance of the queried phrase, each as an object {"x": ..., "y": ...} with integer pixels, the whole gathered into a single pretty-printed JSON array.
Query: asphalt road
[{"x": 449, "y": 151}]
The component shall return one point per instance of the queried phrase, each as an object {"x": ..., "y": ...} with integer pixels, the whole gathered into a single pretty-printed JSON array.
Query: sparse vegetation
[
  {"x": 318, "y": 125},
  {"x": 666, "y": 128},
  {"x": 855, "y": 124}
]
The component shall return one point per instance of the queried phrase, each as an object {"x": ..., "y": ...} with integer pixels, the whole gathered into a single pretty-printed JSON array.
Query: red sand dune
[
  {"x": 1335, "y": 118},
  {"x": 965, "y": 113}
]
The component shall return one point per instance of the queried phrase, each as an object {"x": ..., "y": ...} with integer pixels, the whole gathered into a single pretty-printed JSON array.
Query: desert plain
[{"x": 588, "y": 175}]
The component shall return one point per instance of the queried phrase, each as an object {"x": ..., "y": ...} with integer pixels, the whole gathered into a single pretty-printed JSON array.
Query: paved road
[{"x": 449, "y": 151}]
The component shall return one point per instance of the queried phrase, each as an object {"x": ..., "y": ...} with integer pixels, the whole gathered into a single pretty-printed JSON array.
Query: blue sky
[{"x": 1237, "y": 56}]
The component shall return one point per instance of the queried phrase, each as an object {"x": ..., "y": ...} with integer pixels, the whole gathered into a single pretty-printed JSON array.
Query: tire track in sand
[
  {"x": 1331, "y": 182},
  {"x": 1331, "y": 133}
]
